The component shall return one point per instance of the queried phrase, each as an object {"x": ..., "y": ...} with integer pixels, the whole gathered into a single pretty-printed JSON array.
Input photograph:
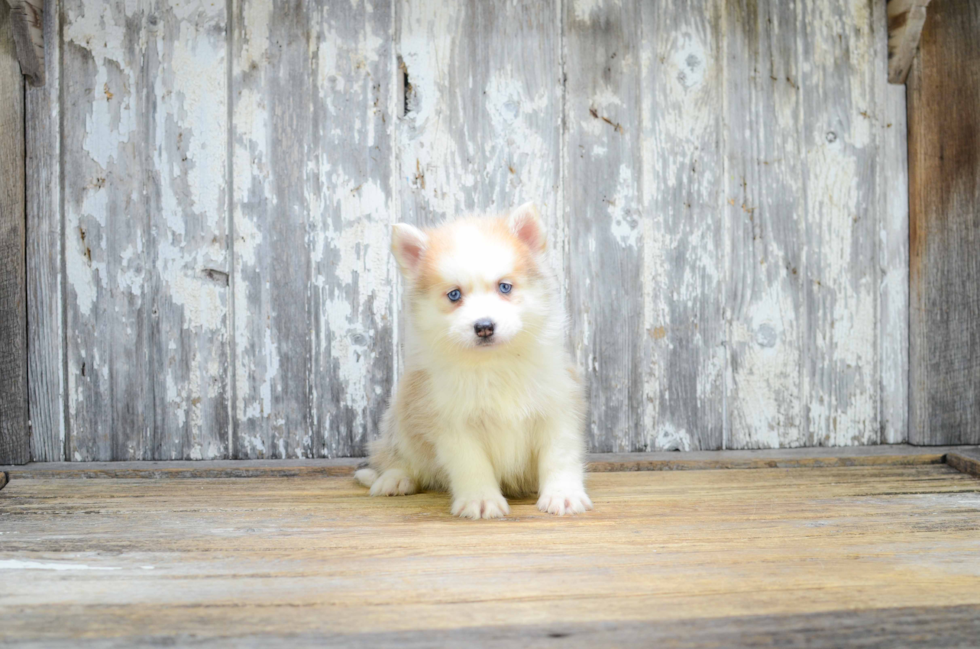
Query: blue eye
[
  {"x": 505, "y": 287},
  {"x": 454, "y": 295}
]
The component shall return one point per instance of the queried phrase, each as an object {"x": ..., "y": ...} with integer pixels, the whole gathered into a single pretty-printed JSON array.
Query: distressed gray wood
[
  {"x": 45, "y": 314},
  {"x": 312, "y": 208},
  {"x": 765, "y": 209},
  {"x": 242, "y": 301},
  {"x": 27, "y": 21},
  {"x": 479, "y": 130},
  {"x": 893, "y": 256},
  {"x": 14, "y": 431},
  {"x": 607, "y": 277},
  {"x": 146, "y": 258},
  {"x": 684, "y": 224},
  {"x": 840, "y": 278},
  {"x": 944, "y": 180}
]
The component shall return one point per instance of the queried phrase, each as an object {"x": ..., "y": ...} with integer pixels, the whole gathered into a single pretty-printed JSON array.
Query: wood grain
[
  {"x": 965, "y": 460},
  {"x": 722, "y": 191},
  {"x": 944, "y": 179},
  {"x": 14, "y": 431},
  {"x": 45, "y": 279},
  {"x": 838, "y": 44},
  {"x": 146, "y": 230},
  {"x": 765, "y": 209},
  {"x": 905, "y": 21},
  {"x": 607, "y": 282},
  {"x": 27, "y": 22},
  {"x": 273, "y": 561},
  {"x": 312, "y": 207},
  {"x": 783, "y": 458}
]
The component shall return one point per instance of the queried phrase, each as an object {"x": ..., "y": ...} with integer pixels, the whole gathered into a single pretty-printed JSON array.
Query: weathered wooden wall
[
  {"x": 213, "y": 185},
  {"x": 14, "y": 435},
  {"x": 944, "y": 168}
]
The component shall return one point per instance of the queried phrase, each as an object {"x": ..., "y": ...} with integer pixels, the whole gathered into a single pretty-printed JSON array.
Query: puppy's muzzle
[{"x": 483, "y": 328}]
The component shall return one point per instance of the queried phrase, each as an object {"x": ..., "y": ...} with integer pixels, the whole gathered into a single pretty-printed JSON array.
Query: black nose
[{"x": 483, "y": 328}]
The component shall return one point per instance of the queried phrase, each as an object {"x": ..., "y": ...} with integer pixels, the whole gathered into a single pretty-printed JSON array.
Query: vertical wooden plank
[
  {"x": 352, "y": 211},
  {"x": 46, "y": 335},
  {"x": 944, "y": 180},
  {"x": 312, "y": 210},
  {"x": 482, "y": 109},
  {"x": 893, "y": 329},
  {"x": 839, "y": 67},
  {"x": 764, "y": 204},
  {"x": 14, "y": 433},
  {"x": 603, "y": 210},
  {"x": 145, "y": 238},
  {"x": 685, "y": 230},
  {"x": 272, "y": 135}
]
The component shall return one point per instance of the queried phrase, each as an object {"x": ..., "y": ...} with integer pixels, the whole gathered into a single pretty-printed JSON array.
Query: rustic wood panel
[
  {"x": 685, "y": 225},
  {"x": 944, "y": 179},
  {"x": 607, "y": 279},
  {"x": 765, "y": 207},
  {"x": 838, "y": 45},
  {"x": 721, "y": 186},
  {"x": 145, "y": 229},
  {"x": 45, "y": 280},
  {"x": 893, "y": 256},
  {"x": 314, "y": 557},
  {"x": 481, "y": 100},
  {"x": 781, "y": 458},
  {"x": 312, "y": 208},
  {"x": 14, "y": 431}
]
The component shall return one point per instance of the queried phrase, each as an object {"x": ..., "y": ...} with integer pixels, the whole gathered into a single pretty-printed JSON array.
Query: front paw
[
  {"x": 480, "y": 506},
  {"x": 564, "y": 500}
]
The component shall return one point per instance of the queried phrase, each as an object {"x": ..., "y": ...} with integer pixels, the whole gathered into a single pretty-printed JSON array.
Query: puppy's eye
[
  {"x": 454, "y": 295},
  {"x": 505, "y": 287}
]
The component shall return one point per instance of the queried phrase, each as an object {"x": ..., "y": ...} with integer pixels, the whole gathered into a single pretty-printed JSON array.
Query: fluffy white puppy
[{"x": 490, "y": 402}]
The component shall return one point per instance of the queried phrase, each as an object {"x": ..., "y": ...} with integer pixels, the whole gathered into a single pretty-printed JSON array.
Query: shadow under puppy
[{"x": 490, "y": 402}]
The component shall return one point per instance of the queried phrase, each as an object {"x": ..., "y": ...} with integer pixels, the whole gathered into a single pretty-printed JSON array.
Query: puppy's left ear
[{"x": 525, "y": 222}]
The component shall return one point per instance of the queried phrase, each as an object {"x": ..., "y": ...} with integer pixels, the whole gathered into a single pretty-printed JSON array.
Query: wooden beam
[
  {"x": 785, "y": 458},
  {"x": 944, "y": 228},
  {"x": 14, "y": 435},
  {"x": 905, "y": 20},
  {"x": 965, "y": 460},
  {"x": 27, "y": 20}
]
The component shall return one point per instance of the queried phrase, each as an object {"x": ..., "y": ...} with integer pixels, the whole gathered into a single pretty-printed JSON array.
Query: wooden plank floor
[{"x": 870, "y": 555}]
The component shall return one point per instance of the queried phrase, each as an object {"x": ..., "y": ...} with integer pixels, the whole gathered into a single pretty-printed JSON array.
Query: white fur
[{"x": 476, "y": 419}]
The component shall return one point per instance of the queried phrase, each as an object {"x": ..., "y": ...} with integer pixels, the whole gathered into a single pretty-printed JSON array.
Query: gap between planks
[{"x": 962, "y": 458}]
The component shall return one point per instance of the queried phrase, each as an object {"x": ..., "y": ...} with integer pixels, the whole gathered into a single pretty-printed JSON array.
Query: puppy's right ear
[{"x": 408, "y": 245}]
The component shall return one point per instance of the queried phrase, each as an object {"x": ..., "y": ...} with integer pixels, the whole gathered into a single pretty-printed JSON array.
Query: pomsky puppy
[{"x": 490, "y": 402}]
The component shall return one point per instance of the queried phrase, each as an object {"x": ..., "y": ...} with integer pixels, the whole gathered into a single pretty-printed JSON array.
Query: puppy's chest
[{"x": 507, "y": 397}]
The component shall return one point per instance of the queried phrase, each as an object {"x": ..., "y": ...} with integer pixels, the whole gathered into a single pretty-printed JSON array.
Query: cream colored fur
[{"x": 475, "y": 419}]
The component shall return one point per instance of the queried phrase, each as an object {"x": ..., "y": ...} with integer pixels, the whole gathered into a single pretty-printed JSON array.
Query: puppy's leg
[
  {"x": 561, "y": 471},
  {"x": 472, "y": 483}
]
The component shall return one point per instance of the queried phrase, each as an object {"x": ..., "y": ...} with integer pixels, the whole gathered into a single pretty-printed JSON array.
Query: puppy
[{"x": 490, "y": 402}]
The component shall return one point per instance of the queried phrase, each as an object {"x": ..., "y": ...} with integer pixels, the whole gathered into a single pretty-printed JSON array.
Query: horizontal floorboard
[
  {"x": 895, "y": 454},
  {"x": 838, "y": 555}
]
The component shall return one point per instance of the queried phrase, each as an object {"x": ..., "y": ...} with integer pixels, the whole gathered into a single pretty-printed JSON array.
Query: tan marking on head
[{"x": 442, "y": 242}]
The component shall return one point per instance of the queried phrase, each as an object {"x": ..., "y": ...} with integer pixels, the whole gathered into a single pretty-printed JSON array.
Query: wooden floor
[{"x": 864, "y": 556}]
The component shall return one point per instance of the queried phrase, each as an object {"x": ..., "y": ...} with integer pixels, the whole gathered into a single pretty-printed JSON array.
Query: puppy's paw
[
  {"x": 476, "y": 506},
  {"x": 564, "y": 500},
  {"x": 393, "y": 482}
]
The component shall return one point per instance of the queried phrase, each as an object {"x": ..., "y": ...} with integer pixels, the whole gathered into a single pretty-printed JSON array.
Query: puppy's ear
[
  {"x": 525, "y": 222},
  {"x": 408, "y": 245}
]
